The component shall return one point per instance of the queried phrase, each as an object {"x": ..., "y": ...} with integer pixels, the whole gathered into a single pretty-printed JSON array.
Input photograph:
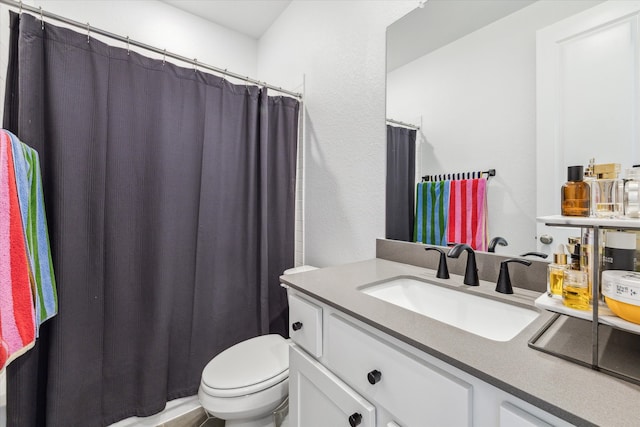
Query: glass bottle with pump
[{"x": 575, "y": 193}]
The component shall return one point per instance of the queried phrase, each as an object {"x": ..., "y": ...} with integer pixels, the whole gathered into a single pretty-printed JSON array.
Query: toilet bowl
[{"x": 245, "y": 383}]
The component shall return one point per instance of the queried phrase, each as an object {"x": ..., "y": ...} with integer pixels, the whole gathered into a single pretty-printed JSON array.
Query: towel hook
[
  {"x": 41, "y": 19},
  {"x": 128, "y": 47},
  {"x": 88, "y": 32}
]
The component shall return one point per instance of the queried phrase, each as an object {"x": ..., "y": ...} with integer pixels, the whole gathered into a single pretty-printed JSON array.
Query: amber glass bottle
[{"x": 575, "y": 193}]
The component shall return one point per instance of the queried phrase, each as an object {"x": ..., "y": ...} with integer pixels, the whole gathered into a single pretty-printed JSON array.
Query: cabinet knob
[
  {"x": 355, "y": 419},
  {"x": 374, "y": 376},
  {"x": 297, "y": 326}
]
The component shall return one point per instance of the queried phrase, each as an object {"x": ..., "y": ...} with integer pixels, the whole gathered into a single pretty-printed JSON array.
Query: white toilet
[{"x": 245, "y": 383}]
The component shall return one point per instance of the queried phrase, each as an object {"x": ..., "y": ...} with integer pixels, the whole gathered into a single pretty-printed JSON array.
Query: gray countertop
[{"x": 572, "y": 392}]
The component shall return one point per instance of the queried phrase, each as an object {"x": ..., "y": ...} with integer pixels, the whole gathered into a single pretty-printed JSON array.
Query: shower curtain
[
  {"x": 170, "y": 201},
  {"x": 401, "y": 164}
]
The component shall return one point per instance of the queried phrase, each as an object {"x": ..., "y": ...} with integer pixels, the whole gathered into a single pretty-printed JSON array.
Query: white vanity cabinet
[
  {"x": 364, "y": 377},
  {"x": 317, "y": 398},
  {"x": 512, "y": 416},
  {"x": 415, "y": 392},
  {"x": 305, "y": 327}
]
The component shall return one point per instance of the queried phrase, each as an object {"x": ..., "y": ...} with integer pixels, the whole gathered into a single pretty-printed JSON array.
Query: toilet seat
[
  {"x": 248, "y": 367},
  {"x": 243, "y": 391}
]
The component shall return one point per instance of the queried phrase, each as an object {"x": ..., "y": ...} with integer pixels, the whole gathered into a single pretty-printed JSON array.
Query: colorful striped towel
[
  {"x": 468, "y": 213},
  {"x": 432, "y": 201},
  {"x": 27, "y": 168},
  {"x": 17, "y": 317}
]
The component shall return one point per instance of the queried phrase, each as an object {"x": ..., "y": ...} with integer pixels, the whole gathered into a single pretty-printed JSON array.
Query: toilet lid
[{"x": 250, "y": 362}]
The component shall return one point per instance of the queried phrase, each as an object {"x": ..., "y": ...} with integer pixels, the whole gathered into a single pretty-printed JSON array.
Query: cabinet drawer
[
  {"x": 305, "y": 324},
  {"x": 512, "y": 416},
  {"x": 417, "y": 394},
  {"x": 320, "y": 399}
]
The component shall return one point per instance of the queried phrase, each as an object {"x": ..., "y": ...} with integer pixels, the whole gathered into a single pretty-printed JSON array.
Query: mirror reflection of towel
[
  {"x": 432, "y": 205},
  {"x": 468, "y": 213}
]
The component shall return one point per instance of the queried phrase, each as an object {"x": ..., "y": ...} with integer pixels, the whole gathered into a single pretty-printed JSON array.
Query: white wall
[
  {"x": 477, "y": 100},
  {"x": 340, "y": 49}
]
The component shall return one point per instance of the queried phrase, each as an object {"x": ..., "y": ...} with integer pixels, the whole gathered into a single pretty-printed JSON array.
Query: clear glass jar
[
  {"x": 631, "y": 198},
  {"x": 608, "y": 198}
]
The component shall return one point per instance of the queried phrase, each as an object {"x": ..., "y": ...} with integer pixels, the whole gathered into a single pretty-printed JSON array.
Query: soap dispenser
[{"x": 555, "y": 272}]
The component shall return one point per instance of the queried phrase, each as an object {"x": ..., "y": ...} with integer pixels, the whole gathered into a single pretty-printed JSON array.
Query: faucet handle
[
  {"x": 504, "y": 281},
  {"x": 443, "y": 270},
  {"x": 538, "y": 254}
]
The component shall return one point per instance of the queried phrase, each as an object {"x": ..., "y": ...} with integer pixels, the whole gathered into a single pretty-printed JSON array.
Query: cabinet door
[
  {"x": 512, "y": 416},
  {"x": 416, "y": 393},
  {"x": 305, "y": 327},
  {"x": 320, "y": 399}
]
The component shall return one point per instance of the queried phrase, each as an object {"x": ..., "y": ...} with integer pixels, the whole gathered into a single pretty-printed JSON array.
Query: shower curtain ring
[
  {"x": 20, "y": 12},
  {"x": 164, "y": 57},
  {"x": 41, "y": 19},
  {"x": 88, "y": 32},
  {"x": 128, "y": 47},
  {"x": 195, "y": 65}
]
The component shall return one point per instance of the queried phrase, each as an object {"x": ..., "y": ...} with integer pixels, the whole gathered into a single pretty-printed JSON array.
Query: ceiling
[
  {"x": 440, "y": 22},
  {"x": 249, "y": 17},
  {"x": 435, "y": 24}
]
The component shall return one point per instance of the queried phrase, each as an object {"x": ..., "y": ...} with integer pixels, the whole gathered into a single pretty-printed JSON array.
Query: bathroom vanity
[{"x": 359, "y": 360}]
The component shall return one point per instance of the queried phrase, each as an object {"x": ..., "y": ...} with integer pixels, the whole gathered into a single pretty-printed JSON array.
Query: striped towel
[
  {"x": 468, "y": 213},
  {"x": 432, "y": 201},
  {"x": 27, "y": 168},
  {"x": 17, "y": 316}
]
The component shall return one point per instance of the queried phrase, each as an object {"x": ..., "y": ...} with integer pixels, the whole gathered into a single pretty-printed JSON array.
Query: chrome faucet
[{"x": 471, "y": 272}]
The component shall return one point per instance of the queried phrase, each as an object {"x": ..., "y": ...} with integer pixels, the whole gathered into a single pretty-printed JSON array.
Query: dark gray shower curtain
[
  {"x": 170, "y": 200},
  {"x": 400, "y": 191}
]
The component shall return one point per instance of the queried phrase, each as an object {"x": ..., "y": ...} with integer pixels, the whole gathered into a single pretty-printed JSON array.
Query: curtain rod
[
  {"x": 398, "y": 122},
  {"x": 43, "y": 14}
]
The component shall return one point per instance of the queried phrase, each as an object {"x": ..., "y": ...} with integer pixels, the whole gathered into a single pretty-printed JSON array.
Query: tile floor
[{"x": 198, "y": 418}]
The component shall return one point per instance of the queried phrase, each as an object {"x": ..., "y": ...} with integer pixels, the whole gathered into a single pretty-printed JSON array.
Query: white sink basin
[{"x": 495, "y": 320}]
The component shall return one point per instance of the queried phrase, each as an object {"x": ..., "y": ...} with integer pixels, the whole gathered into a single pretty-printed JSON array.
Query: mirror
[{"x": 465, "y": 72}]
